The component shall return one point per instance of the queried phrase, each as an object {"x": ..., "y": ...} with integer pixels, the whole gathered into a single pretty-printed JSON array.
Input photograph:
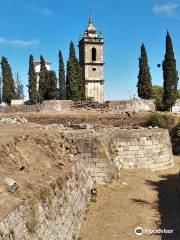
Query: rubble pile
[
  {"x": 14, "y": 120},
  {"x": 90, "y": 105}
]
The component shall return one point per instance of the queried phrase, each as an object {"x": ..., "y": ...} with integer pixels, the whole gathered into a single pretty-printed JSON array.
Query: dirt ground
[
  {"x": 114, "y": 119},
  {"x": 145, "y": 199}
]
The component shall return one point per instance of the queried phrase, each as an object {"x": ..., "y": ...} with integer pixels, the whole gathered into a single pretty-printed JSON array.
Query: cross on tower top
[{"x": 90, "y": 14}]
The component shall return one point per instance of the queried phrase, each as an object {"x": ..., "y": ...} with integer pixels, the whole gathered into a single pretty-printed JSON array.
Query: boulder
[{"x": 11, "y": 184}]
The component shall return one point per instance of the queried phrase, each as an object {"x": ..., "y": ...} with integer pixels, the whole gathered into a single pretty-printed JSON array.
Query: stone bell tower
[{"x": 92, "y": 62}]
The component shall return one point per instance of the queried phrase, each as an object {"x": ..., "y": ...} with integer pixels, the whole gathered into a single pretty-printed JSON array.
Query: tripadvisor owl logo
[{"x": 139, "y": 231}]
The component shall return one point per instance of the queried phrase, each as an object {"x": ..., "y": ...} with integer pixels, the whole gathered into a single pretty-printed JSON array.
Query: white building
[{"x": 37, "y": 65}]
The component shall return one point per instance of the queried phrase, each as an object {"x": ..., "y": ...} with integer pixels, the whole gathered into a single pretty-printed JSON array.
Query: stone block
[
  {"x": 133, "y": 148},
  {"x": 148, "y": 142},
  {"x": 156, "y": 150}
]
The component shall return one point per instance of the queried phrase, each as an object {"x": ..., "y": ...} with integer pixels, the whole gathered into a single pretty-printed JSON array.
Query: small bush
[
  {"x": 89, "y": 99},
  {"x": 45, "y": 195},
  {"x": 32, "y": 203},
  {"x": 93, "y": 199},
  {"x": 60, "y": 183},
  {"x": 161, "y": 120},
  {"x": 29, "y": 102},
  {"x": 159, "y": 104},
  {"x": 53, "y": 186},
  {"x": 31, "y": 223}
]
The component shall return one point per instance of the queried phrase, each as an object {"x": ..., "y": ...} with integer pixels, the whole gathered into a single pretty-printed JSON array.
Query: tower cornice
[
  {"x": 94, "y": 63},
  {"x": 94, "y": 81},
  {"x": 96, "y": 40}
]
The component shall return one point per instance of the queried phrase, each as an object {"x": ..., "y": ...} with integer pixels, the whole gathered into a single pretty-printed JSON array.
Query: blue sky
[{"x": 45, "y": 26}]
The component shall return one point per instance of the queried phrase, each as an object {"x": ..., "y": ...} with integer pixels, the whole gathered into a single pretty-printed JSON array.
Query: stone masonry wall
[
  {"x": 176, "y": 107},
  {"x": 55, "y": 218},
  {"x": 96, "y": 157},
  {"x": 136, "y": 105},
  {"x": 55, "y": 105},
  {"x": 143, "y": 149},
  {"x": 107, "y": 153}
]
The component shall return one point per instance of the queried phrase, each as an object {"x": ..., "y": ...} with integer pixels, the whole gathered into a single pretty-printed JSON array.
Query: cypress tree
[
  {"x": 170, "y": 76},
  {"x": 43, "y": 78},
  {"x": 71, "y": 77},
  {"x": 32, "y": 87},
  {"x": 68, "y": 80},
  {"x": 19, "y": 88},
  {"x": 8, "y": 91},
  {"x": 62, "y": 82},
  {"x": 80, "y": 80},
  {"x": 51, "y": 90},
  {"x": 74, "y": 78},
  {"x": 0, "y": 89},
  {"x": 144, "y": 78}
]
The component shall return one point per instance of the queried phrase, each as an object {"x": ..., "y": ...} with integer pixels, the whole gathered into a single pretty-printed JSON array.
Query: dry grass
[
  {"x": 108, "y": 118},
  {"x": 31, "y": 223}
]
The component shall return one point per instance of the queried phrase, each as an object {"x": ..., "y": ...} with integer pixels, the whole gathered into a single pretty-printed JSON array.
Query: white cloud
[
  {"x": 18, "y": 42},
  {"x": 46, "y": 11},
  {"x": 166, "y": 9},
  {"x": 43, "y": 11}
]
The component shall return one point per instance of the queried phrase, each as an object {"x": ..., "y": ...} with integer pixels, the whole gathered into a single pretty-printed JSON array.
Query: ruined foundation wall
[
  {"x": 107, "y": 153},
  {"x": 136, "y": 105},
  {"x": 143, "y": 149}
]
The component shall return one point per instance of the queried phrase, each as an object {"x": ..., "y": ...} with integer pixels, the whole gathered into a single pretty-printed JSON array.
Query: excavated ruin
[{"x": 48, "y": 172}]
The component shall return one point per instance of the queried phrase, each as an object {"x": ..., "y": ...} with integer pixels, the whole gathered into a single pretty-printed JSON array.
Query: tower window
[
  {"x": 93, "y": 54},
  {"x": 94, "y": 69}
]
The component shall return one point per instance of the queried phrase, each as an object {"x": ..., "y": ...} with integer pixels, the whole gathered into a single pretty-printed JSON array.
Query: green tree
[
  {"x": 74, "y": 79},
  {"x": 8, "y": 91},
  {"x": 178, "y": 94},
  {"x": 43, "y": 79},
  {"x": 71, "y": 80},
  {"x": 19, "y": 88},
  {"x": 51, "y": 90},
  {"x": 0, "y": 89},
  {"x": 144, "y": 78},
  {"x": 157, "y": 95},
  {"x": 80, "y": 81},
  {"x": 157, "y": 91},
  {"x": 32, "y": 80},
  {"x": 170, "y": 76},
  {"x": 62, "y": 81}
]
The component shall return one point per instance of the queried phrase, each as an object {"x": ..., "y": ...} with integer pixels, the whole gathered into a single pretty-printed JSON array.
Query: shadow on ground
[
  {"x": 168, "y": 204},
  {"x": 175, "y": 139}
]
